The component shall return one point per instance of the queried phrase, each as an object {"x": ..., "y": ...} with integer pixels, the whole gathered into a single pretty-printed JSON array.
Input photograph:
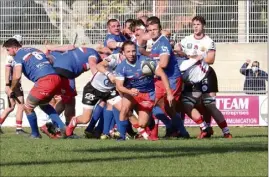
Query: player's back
[
  {"x": 72, "y": 63},
  {"x": 34, "y": 63},
  {"x": 163, "y": 46},
  {"x": 134, "y": 78}
]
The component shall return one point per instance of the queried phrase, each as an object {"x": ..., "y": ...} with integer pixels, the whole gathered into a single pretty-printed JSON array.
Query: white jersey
[
  {"x": 100, "y": 81},
  {"x": 192, "y": 46},
  {"x": 10, "y": 63},
  {"x": 149, "y": 45}
]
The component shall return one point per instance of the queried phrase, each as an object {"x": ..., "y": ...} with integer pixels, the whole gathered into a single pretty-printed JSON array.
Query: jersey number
[{"x": 37, "y": 55}]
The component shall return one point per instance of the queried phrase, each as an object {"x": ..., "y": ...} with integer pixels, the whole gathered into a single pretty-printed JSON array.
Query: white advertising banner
[{"x": 238, "y": 110}]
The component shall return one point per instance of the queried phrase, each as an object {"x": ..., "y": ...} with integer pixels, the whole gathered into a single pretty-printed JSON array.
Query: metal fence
[{"x": 58, "y": 20}]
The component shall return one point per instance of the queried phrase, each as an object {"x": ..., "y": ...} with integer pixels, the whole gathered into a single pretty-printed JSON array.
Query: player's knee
[
  {"x": 27, "y": 109},
  {"x": 20, "y": 107},
  {"x": 142, "y": 124}
]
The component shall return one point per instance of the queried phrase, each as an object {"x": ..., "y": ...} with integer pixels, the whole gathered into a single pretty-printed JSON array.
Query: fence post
[
  {"x": 154, "y": 8},
  {"x": 61, "y": 20},
  {"x": 242, "y": 21},
  {"x": 247, "y": 21}
]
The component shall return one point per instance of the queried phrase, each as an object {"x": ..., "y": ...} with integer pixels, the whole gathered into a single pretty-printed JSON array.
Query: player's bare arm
[
  {"x": 7, "y": 76},
  {"x": 144, "y": 52},
  {"x": 102, "y": 67},
  {"x": 122, "y": 89},
  {"x": 92, "y": 64},
  {"x": 103, "y": 50},
  {"x": 179, "y": 51},
  {"x": 17, "y": 72},
  {"x": 164, "y": 60},
  {"x": 114, "y": 44},
  {"x": 210, "y": 58}
]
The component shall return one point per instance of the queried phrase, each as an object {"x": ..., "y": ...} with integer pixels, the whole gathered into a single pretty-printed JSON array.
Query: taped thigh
[
  {"x": 191, "y": 98},
  {"x": 208, "y": 100}
]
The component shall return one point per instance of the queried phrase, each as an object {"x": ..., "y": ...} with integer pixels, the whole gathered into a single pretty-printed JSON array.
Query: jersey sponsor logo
[
  {"x": 44, "y": 93},
  {"x": 113, "y": 93},
  {"x": 108, "y": 83},
  {"x": 189, "y": 45},
  {"x": 204, "y": 88},
  {"x": 89, "y": 96},
  {"x": 164, "y": 48},
  {"x": 203, "y": 48}
]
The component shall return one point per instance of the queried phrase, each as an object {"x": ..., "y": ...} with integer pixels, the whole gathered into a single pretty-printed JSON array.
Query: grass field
[{"x": 244, "y": 155}]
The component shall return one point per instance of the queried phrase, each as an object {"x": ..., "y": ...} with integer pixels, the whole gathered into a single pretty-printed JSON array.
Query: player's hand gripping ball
[{"x": 148, "y": 67}]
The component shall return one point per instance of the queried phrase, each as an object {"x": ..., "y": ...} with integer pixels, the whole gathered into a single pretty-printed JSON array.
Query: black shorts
[
  {"x": 91, "y": 95},
  {"x": 207, "y": 85}
]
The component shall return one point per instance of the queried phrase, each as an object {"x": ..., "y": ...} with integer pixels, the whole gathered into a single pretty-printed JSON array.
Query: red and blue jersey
[
  {"x": 160, "y": 47},
  {"x": 133, "y": 76},
  {"x": 34, "y": 63},
  {"x": 72, "y": 63},
  {"x": 116, "y": 38}
]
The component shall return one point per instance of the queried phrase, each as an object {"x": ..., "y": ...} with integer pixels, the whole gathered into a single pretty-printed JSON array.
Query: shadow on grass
[
  {"x": 252, "y": 136},
  {"x": 141, "y": 153},
  {"x": 217, "y": 148}
]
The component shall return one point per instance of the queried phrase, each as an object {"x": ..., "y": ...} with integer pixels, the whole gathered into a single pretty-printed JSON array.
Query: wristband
[
  {"x": 107, "y": 73},
  {"x": 119, "y": 44},
  {"x": 9, "y": 85}
]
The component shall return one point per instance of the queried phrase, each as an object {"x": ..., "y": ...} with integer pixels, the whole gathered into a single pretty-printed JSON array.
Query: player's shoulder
[
  {"x": 187, "y": 38},
  {"x": 163, "y": 39},
  {"x": 109, "y": 35},
  {"x": 207, "y": 38},
  {"x": 10, "y": 58},
  {"x": 143, "y": 57},
  {"x": 84, "y": 50},
  {"x": 120, "y": 67}
]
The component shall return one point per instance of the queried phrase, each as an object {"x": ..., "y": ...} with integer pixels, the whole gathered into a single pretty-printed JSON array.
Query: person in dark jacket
[{"x": 255, "y": 78}]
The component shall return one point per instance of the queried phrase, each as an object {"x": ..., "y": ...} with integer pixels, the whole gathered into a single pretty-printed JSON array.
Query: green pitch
[{"x": 244, "y": 155}]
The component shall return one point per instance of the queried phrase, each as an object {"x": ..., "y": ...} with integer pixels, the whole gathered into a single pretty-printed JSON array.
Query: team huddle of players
[{"x": 119, "y": 92}]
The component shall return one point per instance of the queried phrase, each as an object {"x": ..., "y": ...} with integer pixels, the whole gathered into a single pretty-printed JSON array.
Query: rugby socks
[
  {"x": 201, "y": 123},
  {"x": 224, "y": 127},
  {"x": 96, "y": 115},
  {"x": 108, "y": 117},
  {"x": 130, "y": 130},
  {"x": 159, "y": 114},
  {"x": 18, "y": 124},
  {"x": 53, "y": 115},
  {"x": 71, "y": 127},
  {"x": 33, "y": 124},
  {"x": 116, "y": 115},
  {"x": 141, "y": 131},
  {"x": 100, "y": 126},
  {"x": 112, "y": 125},
  {"x": 179, "y": 124},
  {"x": 123, "y": 127},
  {"x": 208, "y": 120},
  {"x": 2, "y": 120},
  {"x": 154, "y": 132}
]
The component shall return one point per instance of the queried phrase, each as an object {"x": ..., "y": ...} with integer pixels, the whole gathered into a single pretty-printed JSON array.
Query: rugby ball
[{"x": 148, "y": 67}]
